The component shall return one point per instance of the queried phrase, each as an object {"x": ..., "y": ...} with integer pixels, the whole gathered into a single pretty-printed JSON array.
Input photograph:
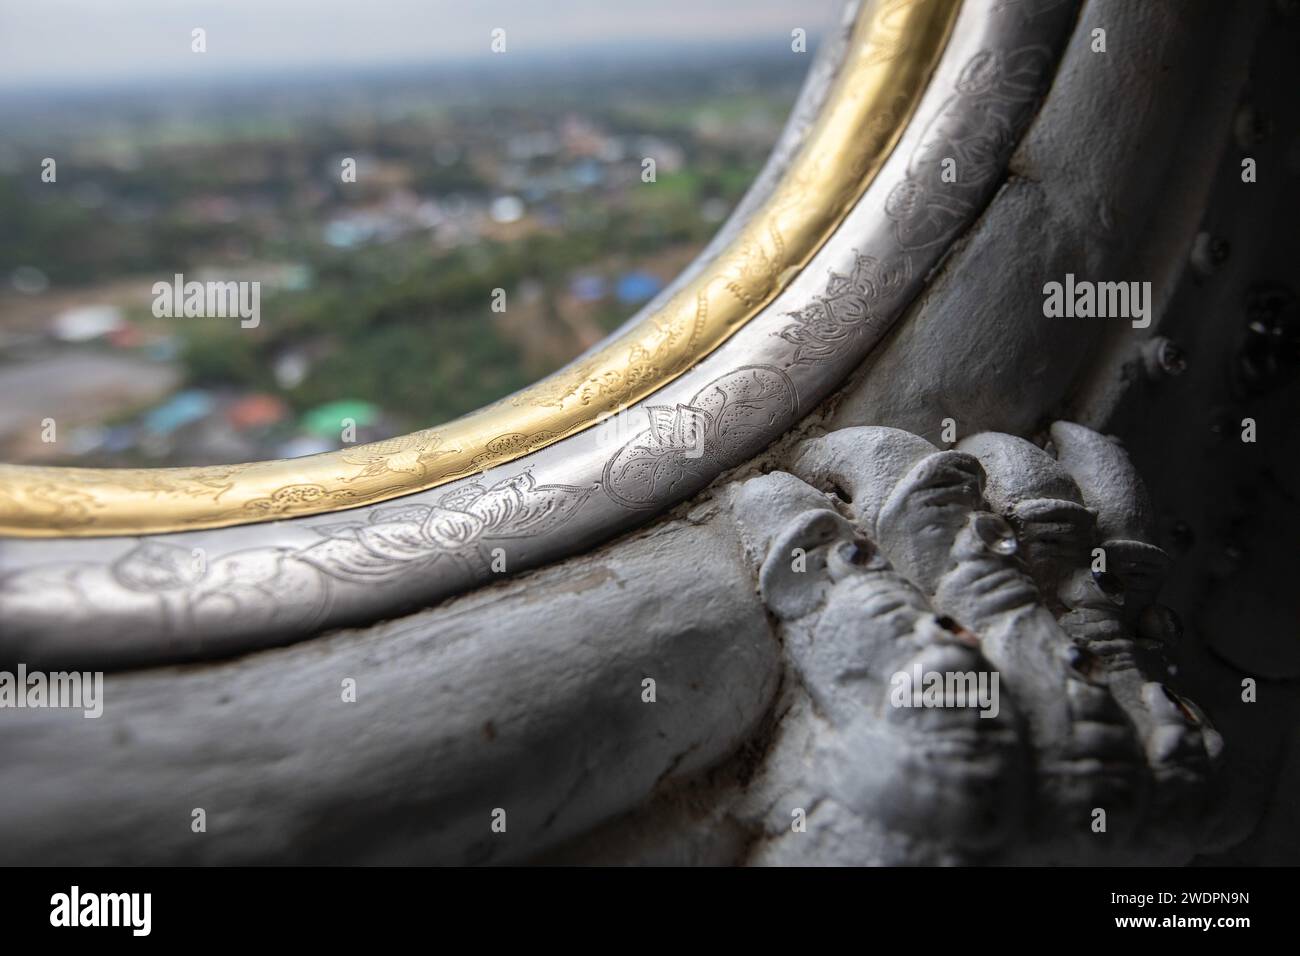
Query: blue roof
[
  {"x": 638, "y": 286},
  {"x": 181, "y": 409}
]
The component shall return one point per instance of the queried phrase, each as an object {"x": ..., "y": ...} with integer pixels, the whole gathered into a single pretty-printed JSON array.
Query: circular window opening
[{"x": 257, "y": 231}]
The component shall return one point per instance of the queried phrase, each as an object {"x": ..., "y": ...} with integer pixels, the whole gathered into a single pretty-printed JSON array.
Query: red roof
[{"x": 256, "y": 411}]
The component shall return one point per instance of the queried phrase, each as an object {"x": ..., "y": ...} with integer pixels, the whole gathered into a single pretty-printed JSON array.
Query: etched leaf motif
[
  {"x": 152, "y": 566},
  {"x": 1022, "y": 74},
  {"x": 661, "y": 425},
  {"x": 892, "y": 276},
  {"x": 518, "y": 506},
  {"x": 684, "y": 444},
  {"x": 417, "y": 513},
  {"x": 635, "y": 469},
  {"x": 407, "y": 454},
  {"x": 979, "y": 153},
  {"x": 452, "y": 530},
  {"x": 342, "y": 529},
  {"x": 462, "y": 498},
  {"x": 681, "y": 428},
  {"x": 690, "y": 426},
  {"x": 407, "y": 462},
  {"x": 398, "y": 540},
  {"x": 848, "y": 307},
  {"x": 346, "y": 559},
  {"x": 839, "y": 284},
  {"x": 499, "y": 505}
]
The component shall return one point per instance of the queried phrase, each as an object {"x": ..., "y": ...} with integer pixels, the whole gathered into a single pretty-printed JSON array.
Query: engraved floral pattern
[
  {"x": 455, "y": 526},
  {"x": 848, "y": 308},
  {"x": 962, "y": 150},
  {"x": 688, "y": 444},
  {"x": 173, "y": 588}
]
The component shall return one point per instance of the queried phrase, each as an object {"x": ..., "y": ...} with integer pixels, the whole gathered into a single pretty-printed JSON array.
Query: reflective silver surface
[{"x": 116, "y": 602}]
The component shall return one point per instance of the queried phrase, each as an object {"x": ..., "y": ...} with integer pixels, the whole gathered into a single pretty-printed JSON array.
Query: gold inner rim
[{"x": 893, "y": 50}]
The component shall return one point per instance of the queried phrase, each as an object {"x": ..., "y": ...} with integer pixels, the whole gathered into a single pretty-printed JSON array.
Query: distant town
[{"x": 376, "y": 218}]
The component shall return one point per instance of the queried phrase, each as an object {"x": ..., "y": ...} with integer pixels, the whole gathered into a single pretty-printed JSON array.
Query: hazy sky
[{"x": 74, "y": 42}]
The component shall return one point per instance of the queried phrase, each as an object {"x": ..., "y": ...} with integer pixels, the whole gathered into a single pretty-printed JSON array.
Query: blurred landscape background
[{"x": 520, "y": 172}]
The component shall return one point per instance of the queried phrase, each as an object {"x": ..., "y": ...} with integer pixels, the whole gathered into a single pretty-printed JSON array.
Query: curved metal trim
[
  {"x": 126, "y": 600},
  {"x": 895, "y": 47}
]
